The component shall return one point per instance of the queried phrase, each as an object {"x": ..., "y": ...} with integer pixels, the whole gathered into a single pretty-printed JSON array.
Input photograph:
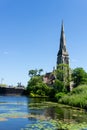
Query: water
[{"x": 22, "y": 113}]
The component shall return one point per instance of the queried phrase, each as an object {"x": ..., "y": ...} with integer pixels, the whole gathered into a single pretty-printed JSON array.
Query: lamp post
[{"x": 2, "y": 79}]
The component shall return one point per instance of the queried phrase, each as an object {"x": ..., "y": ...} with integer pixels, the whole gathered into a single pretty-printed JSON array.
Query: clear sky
[{"x": 30, "y": 35}]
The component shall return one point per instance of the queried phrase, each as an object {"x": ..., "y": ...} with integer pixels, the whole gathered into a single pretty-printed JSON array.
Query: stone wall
[{"x": 12, "y": 91}]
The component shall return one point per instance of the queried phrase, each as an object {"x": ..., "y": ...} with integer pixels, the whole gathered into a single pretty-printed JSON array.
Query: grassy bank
[{"x": 77, "y": 98}]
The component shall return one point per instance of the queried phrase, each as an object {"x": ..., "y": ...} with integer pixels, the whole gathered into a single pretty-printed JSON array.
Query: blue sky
[{"x": 30, "y": 35}]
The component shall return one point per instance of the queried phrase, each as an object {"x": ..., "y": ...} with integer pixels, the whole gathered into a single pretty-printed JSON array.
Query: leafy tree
[
  {"x": 33, "y": 82},
  {"x": 58, "y": 86},
  {"x": 79, "y": 76},
  {"x": 39, "y": 71},
  {"x": 35, "y": 72},
  {"x": 62, "y": 74},
  {"x": 35, "y": 86},
  {"x": 32, "y": 73}
]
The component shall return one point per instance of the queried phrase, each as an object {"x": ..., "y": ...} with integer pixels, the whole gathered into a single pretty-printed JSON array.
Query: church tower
[{"x": 62, "y": 56}]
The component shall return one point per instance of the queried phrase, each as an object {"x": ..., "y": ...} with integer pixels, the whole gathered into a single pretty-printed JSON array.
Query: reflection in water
[
  {"x": 22, "y": 110},
  {"x": 42, "y": 106},
  {"x": 66, "y": 114},
  {"x": 50, "y": 112},
  {"x": 38, "y": 106}
]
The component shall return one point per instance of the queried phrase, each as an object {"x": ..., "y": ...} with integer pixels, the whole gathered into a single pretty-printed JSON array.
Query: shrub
[
  {"x": 58, "y": 86},
  {"x": 78, "y": 97},
  {"x": 59, "y": 95},
  {"x": 37, "y": 87}
]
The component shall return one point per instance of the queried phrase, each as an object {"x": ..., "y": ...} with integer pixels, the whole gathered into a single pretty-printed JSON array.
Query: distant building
[
  {"x": 20, "y": 86},
  {"x": 49, "y": 78},
  {"x": 62, "y": 56}
]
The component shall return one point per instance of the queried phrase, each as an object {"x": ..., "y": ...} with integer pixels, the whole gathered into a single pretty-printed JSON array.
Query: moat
[{"x": 23, "y": 113}]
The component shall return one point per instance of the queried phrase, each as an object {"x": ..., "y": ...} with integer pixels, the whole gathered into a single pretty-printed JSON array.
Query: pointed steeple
[
  {"x": 62, "y": 57},
  {"x": 62, "y": 26},
  {"x": 62, "y": 39}
]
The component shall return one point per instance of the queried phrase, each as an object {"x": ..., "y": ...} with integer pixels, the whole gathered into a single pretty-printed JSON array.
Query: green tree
[
  {"x": 79, "y": 76},
  {"x": 40, "y": 71},
  {"x": 35, "y": 86},
  {"x": 32, "y": 73},
  {"x": 62, "y": 74},
  {"x": 58, "y": 86},
  {"x": 35, "y": 72},
  {"x": 34, "y": 80}
]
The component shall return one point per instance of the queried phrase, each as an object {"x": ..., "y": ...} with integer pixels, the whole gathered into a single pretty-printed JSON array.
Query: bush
[
  {"x": 37, "y": 87},
  {"x": 77, "y": 98},
  {"x": 59, "y": 95},
  {"x": 58, "y": 86}
]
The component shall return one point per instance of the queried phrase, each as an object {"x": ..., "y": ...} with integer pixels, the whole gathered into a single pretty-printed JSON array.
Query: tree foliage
[
  {"x": 40, "y": 71},
  {"x": 36, "y": 86},
  {"x": 62, "y": 74},
  {"x": 58, "y": 86},
  {"x": 79, "y": 76},
  {"x": 32, "y": 73},
  {"x": 35, "y": 72}
]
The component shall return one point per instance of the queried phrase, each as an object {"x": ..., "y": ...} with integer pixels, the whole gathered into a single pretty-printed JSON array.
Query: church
[{"x": 62, "y": 57}]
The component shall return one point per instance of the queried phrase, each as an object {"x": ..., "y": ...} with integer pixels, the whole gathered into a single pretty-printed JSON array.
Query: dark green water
[{"x": 22, "y": 113}]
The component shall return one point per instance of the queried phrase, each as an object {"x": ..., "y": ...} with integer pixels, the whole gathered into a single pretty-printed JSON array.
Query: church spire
[
  {"x": 62, "y": 27},
  {"x": 62, "y": 57},
  {"x": 62, "y": 39}
]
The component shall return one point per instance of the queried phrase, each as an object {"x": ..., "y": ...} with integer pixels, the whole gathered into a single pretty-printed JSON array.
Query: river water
[{"x": 23, "y": 113}]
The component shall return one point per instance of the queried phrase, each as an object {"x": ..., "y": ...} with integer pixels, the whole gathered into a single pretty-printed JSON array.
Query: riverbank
[{"x": 76, "y": 98}]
